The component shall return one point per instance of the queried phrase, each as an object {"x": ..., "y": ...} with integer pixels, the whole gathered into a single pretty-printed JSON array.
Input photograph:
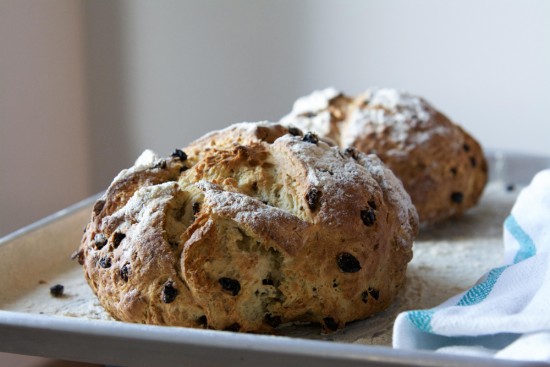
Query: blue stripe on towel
[
  {"x": 527, "y": 247},
  {"x": 423, "y": 319},
  {"x": 480, "y": 291}
]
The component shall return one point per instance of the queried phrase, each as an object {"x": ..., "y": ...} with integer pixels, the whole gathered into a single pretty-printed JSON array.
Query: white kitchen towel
[{"x": 507, "y": 313}]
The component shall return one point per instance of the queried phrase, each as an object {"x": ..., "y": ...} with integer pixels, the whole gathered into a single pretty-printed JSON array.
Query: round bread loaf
[
  {"x": 441, "y": 166},
  {"x": 248, "y": 228}
]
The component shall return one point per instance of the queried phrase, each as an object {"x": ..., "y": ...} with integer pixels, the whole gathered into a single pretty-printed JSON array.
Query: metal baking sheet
[{"x": 34, "y": 323}]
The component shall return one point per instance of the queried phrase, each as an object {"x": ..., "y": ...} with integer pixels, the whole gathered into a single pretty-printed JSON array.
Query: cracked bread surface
[
  {"x": 249, "y": 228},
  {"x": 441, "y": 166}
]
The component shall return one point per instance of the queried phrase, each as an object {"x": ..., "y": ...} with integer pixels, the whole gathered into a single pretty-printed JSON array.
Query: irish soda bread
[
  {"x": 248, "y": 228},
  {"x": 441, "y": 166}
]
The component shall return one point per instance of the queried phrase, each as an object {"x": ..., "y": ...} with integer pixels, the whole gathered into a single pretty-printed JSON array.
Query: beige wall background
[
  {"x": 85, "y": 86},
  {"x": 43, "y": 101}
]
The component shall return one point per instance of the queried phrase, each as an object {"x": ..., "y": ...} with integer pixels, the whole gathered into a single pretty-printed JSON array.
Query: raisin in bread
[
  {"x": 441, "y": 166},
  {"x": 249, "y": 228}
]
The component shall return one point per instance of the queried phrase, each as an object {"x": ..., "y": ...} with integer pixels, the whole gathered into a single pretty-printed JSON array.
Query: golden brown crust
[
  {"x": 254, "y": 228},
  {"x": 441, "y": 166}
]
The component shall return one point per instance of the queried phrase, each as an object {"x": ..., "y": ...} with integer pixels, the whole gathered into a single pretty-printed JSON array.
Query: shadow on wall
[
  {"x": 43, "y": 137},
  {"x": 108, "y": 120}
]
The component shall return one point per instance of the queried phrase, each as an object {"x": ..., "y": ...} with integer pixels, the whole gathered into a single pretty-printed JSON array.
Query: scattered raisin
[
  {"x": 79, "y": 256},
  {"x": 267, "y": 281},
  {"x": 117, "y": 238},
  {"x": 368, "y": 217},
  {"x": 365, "y": 296},
  {"x": 310, "y": 138},
  {"x": 466, "y": 147},
  {"x": 254, "y": 186},
  {"x": 334, "y": 283},
  {"x": 160, "y": 164},
  {"x": 351, "y": 152},
  {"x": 330, "y": 323},
  {"x": 100, "y": 240},
  {"x": 457, "y": 197},
  {"x": 374, "y": 293},
  {"x": 125, "y": 272},
  {"x": 312, "y": 198},
  {"x": 105, "y": 262},
  {"x": 169, "y": 293},
  {"x": 178, "y": 153},
  {"x": 473, "y": 161},
  {"x": 196, "y": 208},
  {"x": 57, "y": 290},
  {"x": 231, "y": 285},
  {"x": 272, "y": 321},
  {"x": 202, "y": 320},
  {"x": 294, "y": 131},
  {"x": 453, "y": 171},
  {"x": 98, "y": 206},
  {"x": 348, "y": 263},
  {"x": 324, "y": 170},
  {"x": 233, "y": 327}
]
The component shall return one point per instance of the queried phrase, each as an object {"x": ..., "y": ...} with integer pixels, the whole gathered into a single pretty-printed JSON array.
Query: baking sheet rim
[{"x": 176, "y": 344}]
